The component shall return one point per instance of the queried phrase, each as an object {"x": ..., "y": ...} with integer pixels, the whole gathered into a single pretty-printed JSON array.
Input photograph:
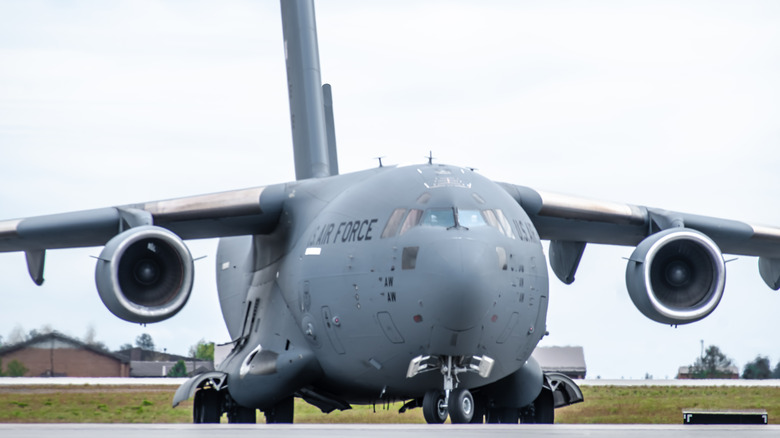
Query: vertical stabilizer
[{"x": 307, "y": 116}]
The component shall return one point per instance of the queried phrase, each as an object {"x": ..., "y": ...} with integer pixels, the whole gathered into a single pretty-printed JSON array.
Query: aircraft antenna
[{"x": 430, "y": 157}]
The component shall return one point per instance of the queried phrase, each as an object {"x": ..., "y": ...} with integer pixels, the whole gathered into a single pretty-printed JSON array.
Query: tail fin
[{"x": 307, "y": 112}]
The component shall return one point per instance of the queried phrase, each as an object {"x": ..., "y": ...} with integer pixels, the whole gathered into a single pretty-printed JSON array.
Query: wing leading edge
[{"x": 570, "y": 222}]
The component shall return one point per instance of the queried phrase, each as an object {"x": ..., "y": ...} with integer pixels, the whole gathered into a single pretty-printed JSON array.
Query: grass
[
  {"x": 664, "y": 404},
  {"x": 90, "y": 404},
  {"x": 603, "y": 404}
]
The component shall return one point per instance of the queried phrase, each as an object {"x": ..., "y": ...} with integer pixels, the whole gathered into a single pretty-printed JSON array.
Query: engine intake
[
  {"x": 676, "y": 276},
  {"x": 145, "y": 274}
]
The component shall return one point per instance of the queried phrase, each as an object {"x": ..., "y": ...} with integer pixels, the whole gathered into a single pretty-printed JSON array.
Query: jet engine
[
  {"x": 145, "y": 274},
  {"x": 676, "y": 276}
]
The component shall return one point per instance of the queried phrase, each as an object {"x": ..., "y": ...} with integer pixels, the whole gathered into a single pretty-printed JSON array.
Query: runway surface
[{"x": 380, "y": 431}]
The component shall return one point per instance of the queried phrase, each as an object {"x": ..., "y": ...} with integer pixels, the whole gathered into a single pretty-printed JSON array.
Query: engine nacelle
[
  {"x": 145, "y": 274},
  {"x": 676, "y": 276}
]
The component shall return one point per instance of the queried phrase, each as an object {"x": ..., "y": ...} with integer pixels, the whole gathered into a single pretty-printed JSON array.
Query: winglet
[{"x": 35, "y": 262}]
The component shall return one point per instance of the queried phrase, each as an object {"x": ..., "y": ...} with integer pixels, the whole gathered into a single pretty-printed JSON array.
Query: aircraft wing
[
  {"x": 570, "y": 222},
  {"x": 232, "y": 213}
]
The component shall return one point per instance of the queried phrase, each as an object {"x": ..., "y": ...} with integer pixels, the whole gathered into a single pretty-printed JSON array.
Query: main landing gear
[
  {"x": 207, "y": 406},
  {"x": 457, "y": 403},
  {"x": 210, "y": 404}
]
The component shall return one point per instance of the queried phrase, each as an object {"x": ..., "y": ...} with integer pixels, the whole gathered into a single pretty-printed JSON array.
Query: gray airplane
[{"x": 426, "y": 284}]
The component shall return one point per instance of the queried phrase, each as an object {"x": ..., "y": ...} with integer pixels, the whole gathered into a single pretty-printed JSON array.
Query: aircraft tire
[
  {"x": 206, "y": 407},
  {"x": 541, "y": 411},
  {"x": 433, "y": 407},
  {"x": 282, "y": 412},
  {"x": 197, "y": 408},
  {"x": 544, "y": 408},
  {"x": 480, "y": 410},
  {"x": 461, "y": 406},
  {"x": 241, "y": 414}
]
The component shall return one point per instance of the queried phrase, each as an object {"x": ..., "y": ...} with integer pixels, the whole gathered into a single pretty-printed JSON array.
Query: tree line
[{"x": 714, "y": 364}]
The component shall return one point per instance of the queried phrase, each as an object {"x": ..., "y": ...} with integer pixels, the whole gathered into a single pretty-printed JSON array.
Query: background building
[
  {"x": 565, "y": 360},
  {"x": 148, "y": 363},
  {"x": 730, "y": 372},
  {"x": 56, "y": 355}
]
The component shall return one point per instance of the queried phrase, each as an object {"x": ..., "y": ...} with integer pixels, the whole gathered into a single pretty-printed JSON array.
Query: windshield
[
  {"x": 471, "y": 218},
  {"x": 402, "y": 220},
  {"x": 439, "y": 217}
]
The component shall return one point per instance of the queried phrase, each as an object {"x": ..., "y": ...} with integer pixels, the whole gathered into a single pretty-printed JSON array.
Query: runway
[{"x": 380, "y": 431}]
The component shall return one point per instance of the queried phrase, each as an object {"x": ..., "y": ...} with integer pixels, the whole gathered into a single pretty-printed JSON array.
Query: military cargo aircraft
[{"x": 422, "y": 283}]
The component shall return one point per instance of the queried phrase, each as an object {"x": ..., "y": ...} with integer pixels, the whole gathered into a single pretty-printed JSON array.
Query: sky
[{"x": 670, "y": 104}]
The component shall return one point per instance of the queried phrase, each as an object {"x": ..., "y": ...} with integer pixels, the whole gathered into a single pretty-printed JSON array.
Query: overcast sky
[{"x": 667, "y": 104}]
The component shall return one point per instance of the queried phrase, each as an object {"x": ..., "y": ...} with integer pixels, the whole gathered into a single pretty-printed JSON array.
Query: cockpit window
[
  {"x": 505, "y": 227},
  {"x": 392, "y": 224},
  {"x": 490, "y": 218},
  {"x": 439, "y": 217},
  {"x": 497, "y": 220},
  {"x": 402, "y": 220},
  {"x": 412, "y": 219},
  {"x": 471, "y": 218}
]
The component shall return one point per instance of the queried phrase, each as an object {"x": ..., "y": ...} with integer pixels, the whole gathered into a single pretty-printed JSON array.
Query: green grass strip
[{"x": 603, "y": 405}]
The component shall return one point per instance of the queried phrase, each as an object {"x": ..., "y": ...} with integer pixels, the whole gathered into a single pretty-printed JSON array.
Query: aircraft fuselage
[{"x": 379, "y": 267}]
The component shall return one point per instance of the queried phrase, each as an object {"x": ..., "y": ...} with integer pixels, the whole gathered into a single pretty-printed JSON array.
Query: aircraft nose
[{"x": 460, "y": 291}]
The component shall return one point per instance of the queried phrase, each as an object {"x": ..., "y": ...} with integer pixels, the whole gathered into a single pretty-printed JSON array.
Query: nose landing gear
[{"x": 456, "y": 402}]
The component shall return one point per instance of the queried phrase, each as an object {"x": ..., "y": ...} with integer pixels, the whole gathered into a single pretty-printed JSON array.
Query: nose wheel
[
  {"x": 457, "y": 403},
  {"x": 435, "y": 407},
  {"x": 460, "y": 406}
]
